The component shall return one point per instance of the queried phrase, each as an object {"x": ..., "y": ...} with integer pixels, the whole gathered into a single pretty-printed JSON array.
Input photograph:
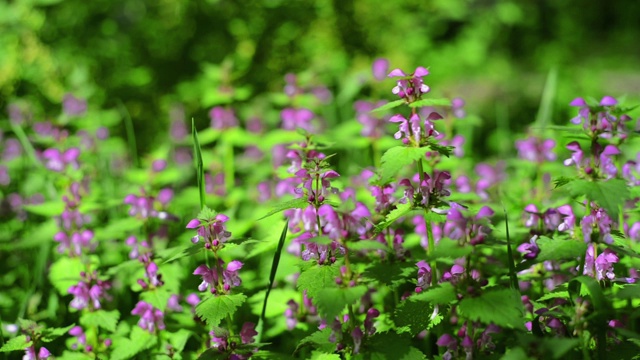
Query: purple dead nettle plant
[{"x": 220, "y": 278}]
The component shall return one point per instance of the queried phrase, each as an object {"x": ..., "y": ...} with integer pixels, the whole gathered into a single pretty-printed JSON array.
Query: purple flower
[
  {"x": 73, "y": 106},
  {"x": 248, "y": 332},
  {"x": 489, "y": 176},
  {"x": 410, "y": 87},
  {"x": 209, "y": 278},
  {"x": 472, "y": 229},
  {"x": 150, "y": 318},
  {"x": 530, "y": 250},
  {"x": 379, "y": 68},
  {"x": 222, "y": 118},
  {"x": 58, "y": 161},
  {"x": 604, "y": 265},
  {"x": 457, "y": 108},
  {"x": 297, "y": 118},
  {"x": 89, "y": 292},
  {"x": 424, "y": 276},
  {"x": 536, "y": 150},
  {"x": 213, "y": 231},
  {"x": 374, "y": 126},
  {"x": 80, "y": 335},
  {"x": 30, "y": 353}
]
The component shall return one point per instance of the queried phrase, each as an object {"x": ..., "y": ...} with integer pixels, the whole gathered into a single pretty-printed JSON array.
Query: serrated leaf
[
  {"x": 559, "y": 249},
  {"x": 388, "y": 106},
  {"x": 298, "y": 203},
  {"x": 331, "y": 302},
  {"x": 390, "y": 274},
  {"x": 318, "y": 278},
  {"x": 609, "y": 195},
  {"x": 50, "y": 334},
  {"x": 416, "y": 315},
  {"x": 17, "y": 343},
  {"x": 318, "y": 340},
  {"x": 101, "y": 318},
  {"x": 501, "y": 307},
  {"x": 554, "y": 295},
  {"x": 398, "y": 157},
  {"x": 441, "y": 294},
  {"x": 561, "y": 181},
  {"x": 431, "y": 102},
  {"x": 395, "y": 214},
  {"x": 215, "y": 308}
]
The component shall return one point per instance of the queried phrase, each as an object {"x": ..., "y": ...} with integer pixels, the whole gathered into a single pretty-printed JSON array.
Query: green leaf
[
  {"x": 430, "y": 102},
  {"x": 157, "y": 297},
  {"x": 416, "y": 315},
  {"x": 119, "y": 229},
  {"x": 390, "y": 274},
  {"x": 562, "y": 181},
  {"x": 46, "y": 209},
  {"x": 450, "y": 249},
  {"x": 65, "y": 272},
  {"x": 179, "y": 252},
  {"x": 215, "y": 308},
  {"x": 391, "y": 346},
  {"x": 559, "y": 249},
  {"x": 101, "y": 318},
  {"x": 50, "y": 334},
  {"x": 441, "y": 294},
  {"x": 298, "y": 203},
  {"x": 316, "y": 355},
  {"x": 127, "y": 348},
  {"x": 17, "y": 343},
  {"x": 395, "y": 214},
  {"x": 398, "y": 157},
  {"x": 610, "y": 195},
  {"x": 631, "y": 291},
  {"x": 272, "y": 277},
  {"x": 389, "y": 106},
  {"x": 318, "y": 278},
  {"x": 331, "y": 302},
  {"x": 318, "y": 340},
  {"x": 501, "y": 307},
  {"x": 179, "y": 339},
  {"x": 197, "y": 150},
  {"x": 367, "y": 245}
]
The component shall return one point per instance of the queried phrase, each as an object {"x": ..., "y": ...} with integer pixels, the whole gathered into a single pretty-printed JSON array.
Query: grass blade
[
  {"x": 131, "y": 136},
  {"x": 199, "y": 167},
  {"x": 272, "y": 276},
  {"x": 512, "y": 267}
]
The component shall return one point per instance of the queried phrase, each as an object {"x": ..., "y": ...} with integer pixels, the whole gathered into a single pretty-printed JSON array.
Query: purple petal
[
  {"x": 234, "y": 266},
  {"x": 608, "y": 101},
  {"x": 396, "y": 73},
  {"x": 578, "y": 102},
  {"x": 194, "y": 223},
  {"x": 379, "y": 68},
  {"x": 484, "y": 212},
  {"x": 421, "y": 71},
  {"x": 201, "y": 270}
]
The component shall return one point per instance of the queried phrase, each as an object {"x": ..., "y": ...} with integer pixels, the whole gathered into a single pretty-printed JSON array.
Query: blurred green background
[{"x": 150, "y": 56}]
